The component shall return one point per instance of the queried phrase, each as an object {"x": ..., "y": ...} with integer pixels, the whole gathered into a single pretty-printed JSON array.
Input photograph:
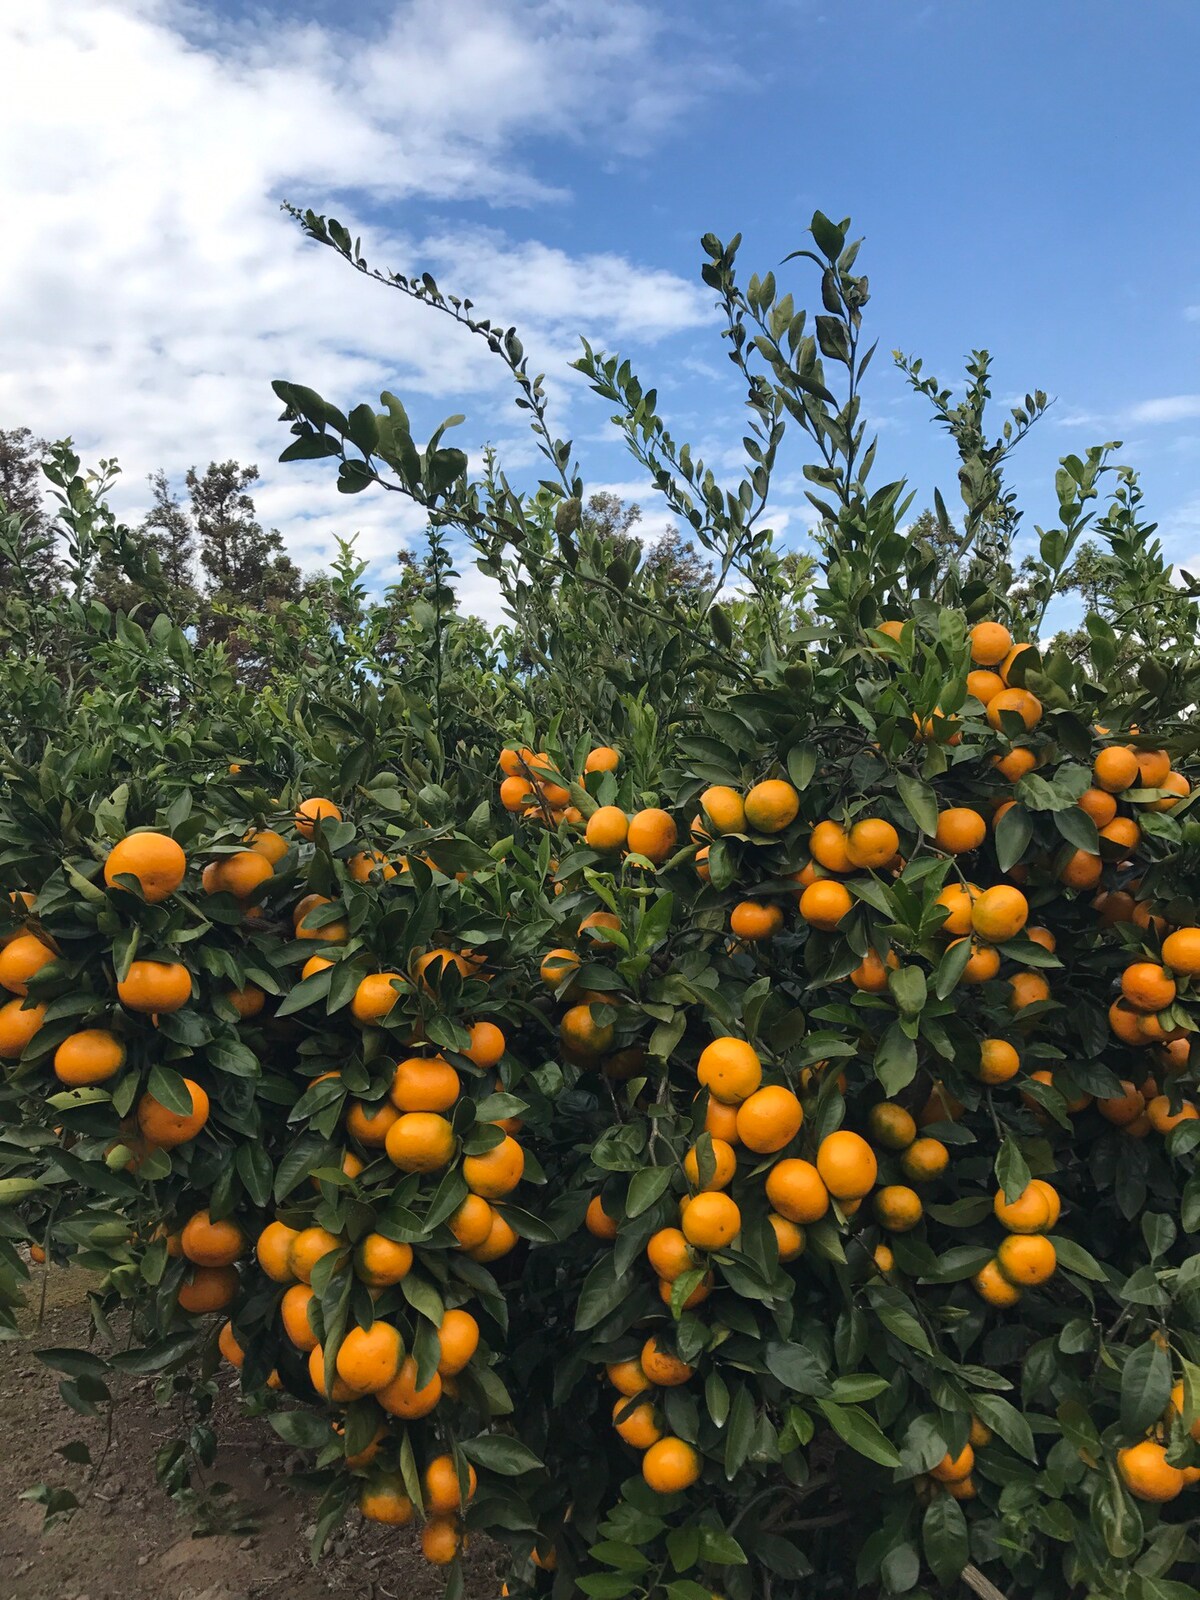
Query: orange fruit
[
  {"x": 724, "y": 809},
  {"x": 669, "y": 1254},
  {"x": 884, "y": 1258},
  {"x": 924, "y": 1160},
  {"x": 152, "y": 986},
  {"x": 266, "y": 842},
  {"x": 711, "y": 1221},
  {"x": 1028, "y": 1213},
  {"x": 1147, "y": 986},
  {"x": 497, "y": 1172},
  {"x": 797, "y": 1191},
  {"x": 599, "y": 919},
  {"x": 368, "y": 1359},
  {"x": 960, "y": 829},
  {"x": 1016, "y": 763},
  {"x": 1012, "y": 661},
  {"x": 897, "y": 1208},
  {"x": 1146, "y": 1472},
  {"x": 891, "y": 1125},
  {"x": 1154, "y": 767},
  {"x": 824, "y": 904},
  {"x": 472, "y": 1222},
  {"x": 951, "y": 1468},
  {"x": 664, "y": 1370},
  {"x": 516, "y": 793},
  {"x": 557, "y": 965},
  {"x": 1027, "y": 1259},
  {"x": 991, "y": 1284},
  {"x": 893, "y": 627},
  {"x": 1121, "y": 1109},
  {"x": 957, "y": 901},
  {"x": 671, "y": 1465},
  {"x": 308, "y": 1247},
  {"x": 375, "y": 996},
  {"x": 1020, "y": 701},
  {"x": 21, "y": 959},
  {"x": 440, "y": 1540},
  {"x": 607, "y": 829},
  {"x": 582, "y": 1035},
  {"x": 771, "y": 806},
  {"x": 1099, "y": 805},
  {"x": 166, "y": 1129},
  {"x": 598, "y": 1222},
  {"x": 514, "y": 762},
  {"x": 371, "y": 1123},
  {"x": 870, "y": 976},
  {"x": 999, "y": 913},
  {"x": 1177, "y": 788},
  {"x": 983, "y": 963},
  {"x": 720, "y": 1120},
  {"x": 1181, "y": 952},
  {"x": 208, "y": 1289},
  {"x": 847, "y": 1166},
  {"x": 653, "y": 834},
  {"x": 627, "y": 1377},
  {"x": 984, "y": 685},
  {"x": 501, "y": 1240},
  {"x": 1115, "y": 768},
  {"x": 273, "y": 1250},
  {"x": 402, "y": 1398},
  {"x": 487, "y": 1044},
  {"x": 154, "y": 859},
  {"x": 638, "y": 1426},
  {"x": 1162, "y": 1120},
  {"x": 1177, "y": 1401},
  {"x": 1042, "y": 936},
  {"x": 420, "y": 1141},
  {"x": 424, "y": 1084},
  {"x": 1026, "y": 989},
  {"x": 442, "y": 1490},
  {"x": 310, "y": 812},
  {"x": 602, "y": 759},
  {"x": 1120, "y": 838},
  {"x": 93, "y": 1055},
  {"x": 383, "y": 1499},
  {"x": 769, "y": 1119},
  {"x": 998, "y": 1061},
  {"x": 790, "y": 1239},
  {"x": 293, "y": 1311},
  {"x": 990, "y": 643},
  {"x": 325, "y": 1381},
  {"x": 729, "y": 1069},
  {"x": 827, "y": 845},
  {"x": 458, "y": 1340},
  {"x": 1081, "y": 870},
  {"x": 367, "y": 864},
  {"x": 871, "y": 842},
  {"x": 723, "y": 1164},
  {"x": 753, "y": 920},
  {"x": 238, "y": 875},
  {"x": 380, "y": 1262},
  {"x": 229, "y": 1347},
  {"x": 18, "y": 1024},
  {"x": 247, "y": 1001},
  {"x": 212, "y": 1244}
]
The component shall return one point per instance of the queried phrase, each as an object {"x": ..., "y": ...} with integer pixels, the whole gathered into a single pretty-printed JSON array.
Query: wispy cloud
[
  {"x": 1191, "y": 313},
  {"x": 1168, "y": 408}
]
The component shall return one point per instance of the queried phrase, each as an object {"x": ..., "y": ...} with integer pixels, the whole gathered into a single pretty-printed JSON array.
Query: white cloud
[
  {"x": 1169, "y": 408},
  {"x": 152, "y": 288}
]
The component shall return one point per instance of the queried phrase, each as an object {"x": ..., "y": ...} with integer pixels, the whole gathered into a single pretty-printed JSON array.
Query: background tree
[{"x": 29, "y": 541}]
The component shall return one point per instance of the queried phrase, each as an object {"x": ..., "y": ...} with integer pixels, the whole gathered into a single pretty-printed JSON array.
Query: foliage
[{"x": 833, "y": 1377}]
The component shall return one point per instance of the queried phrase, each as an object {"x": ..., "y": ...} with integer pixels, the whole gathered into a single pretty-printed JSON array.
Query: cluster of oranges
[
  {"x": 1144, "y": 1467},
  {"x": 1025, "y": 1257}
]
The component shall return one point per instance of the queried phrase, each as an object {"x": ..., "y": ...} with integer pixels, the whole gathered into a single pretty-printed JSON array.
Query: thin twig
[{"x": 984, "y": 1587}]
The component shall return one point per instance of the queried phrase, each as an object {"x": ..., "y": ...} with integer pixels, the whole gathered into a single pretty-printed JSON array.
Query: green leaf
[
  {"x": 860, "y": 1432},
  {"x": 944, "y": 1537},
  {"x": 603, "y": 1291},
  {"x": 1006, "y": 1421},
  {"x": 798, "y": 1368},
  {"x": 646, "y": 1187},
  {"x": 919, "y": 801},
  {"x": 1074, "y": 1258},
  {"x": 1013, "y": 833},
  {"x": 169, "y": 1089},
  {"x": 498, "y": 1453},
  {"x": 1145, "y": 1387},
  {"x": 1012, "y": 1169}
]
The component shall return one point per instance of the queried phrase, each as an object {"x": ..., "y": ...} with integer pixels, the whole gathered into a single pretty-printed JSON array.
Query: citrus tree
[{"x": 735, "y": 1132}]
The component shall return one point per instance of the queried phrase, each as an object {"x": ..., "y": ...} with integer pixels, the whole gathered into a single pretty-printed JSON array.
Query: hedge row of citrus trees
[{"x": 719, "y": 1135}]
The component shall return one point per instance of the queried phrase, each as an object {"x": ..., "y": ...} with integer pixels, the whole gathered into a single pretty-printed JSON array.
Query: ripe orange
[
  {"x": 420, "y": 1141},
  {"x": 998, "y": 1061},
  {"x": 711, "y": 1221},
  {"x": 273, "y": 1249},
  {"x": 1162, "y": 1120},
  {"x": 238, "y": 875},
  {"x": 847, "y": 1166},
  {"x": 1115, "y": 768},
  {"x": 598, "y": 1222},
  {"x": 724, "y": 809},
  {"x": 723, "y": 1163},
  {"x": 1177, "y": 788},
  {"x": 999, "y": 913},
  {"x": 824, "y": 904},
  {"x": 1099, "y": 805},
  {"x": 607, "y": 829},
  {"x": 898, "y": 1208},
  {"x": 267, "y": 843},
  {"x": 924, "y": 1160},
  {"x": 790, "y": 1239},
  {"x": 368, "y": 1359},
  {"x": 991, "y": 1284},
  {"x": 582, "y": 1035},
  {"x": 870, "y": 976},
  {"x": 212, "y": 1244},
  {"x": 440, "y": 1540},
  {"x": 884, "y": 1258},
  {"x": 458, "y": 1340},
  {"x": 307, "y": 1248},
  {"x": 771, "y": 806},
  {"x": 669, "y": 1254},
  {"x": 487, "y": 1044},
  {"x": 21, "y": 959},
  {"x": 984, "y": 685},
  {"x": 310, "y": 812},
  {"x": 424, "y": 1084},
  {"x": 497, "y": 1172},
  {"x": 154, "y": 859},
  {"x": 1027, "y": 1259},
  {"x": 871, "y": 842},
  {"x": 93, "y": 1055},
  {"x": 891, "y": 1125},
  {"x": 960, "y": 829},
  {"x": 638, "y": 1426},
  {"x": 166, "y": 1129},
  {"x": 375, "y": 996},
  {"x": 1028, "y": 1213},
  {"x": 1147, "y": 986},
  {"x": 957, "y": 900},
  {"x": 517, "y": 793},
  {"x": 1026, "y": 989},
  {"x": 1020, "y": 701},
  {"x": 753, "y": 920},
  {"x": 383, "y": 1499},
  {"x": 990, "y": 643},
  {"x": 1154, "y": 767},
  {"x": 1012, "y": 669},
  {"x": 229, "y": 1347},
  {"x": 208, "y": 1289},
  {"x": 380, "y": 1262},
  {"x": 1081, "y": 870},
  {"x": 1146, "y": 1472},
  {"x": 442, "y": 1490},
  {"x": 402, "y": 1398},
  {"x": 153, "y": 986},
  {"x": 982, "y": 965},
  {"x": 797, "y": 1191},
  {"x": 1120, "y": 838},
  {"x": 720, "y": 1120},
  {"x": 671, "y": 1465},
  {"x": 18, "y": 1024},
  {"x": 827, "y": 845},
  {"x": 664, "y": 1370},
  {"x": 472, "y": 1222},
  {"x": 293, "y": 1311},
  {"x": 501, "y": 1240},
  {"x": 1016, "y": 763},
  {"x": 653, "y": 834},
  {"x": 627, "y": 1377},
  {"x": 729, "y": 1069},
  {"x": 371, "y": 1123},
  {"x": 950, "y": 1469},
  {"x": 437, "y": 962},
  {"x": 769, "y": 1119},
  {"x": 247, "y": 1001},
  {"x": 1124, "y": 1108},
  {"x": 368, "y": 864},
  {"x": 602, "y": 759},
  {"x": 1181, "y": 952}
]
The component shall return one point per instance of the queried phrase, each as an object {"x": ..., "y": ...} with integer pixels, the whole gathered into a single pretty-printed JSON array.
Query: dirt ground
[{"x": 128, "y": 1541}]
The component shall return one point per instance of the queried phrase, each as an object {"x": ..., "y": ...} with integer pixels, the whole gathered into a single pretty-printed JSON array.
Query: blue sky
[{"x": 1024, "y": 176}]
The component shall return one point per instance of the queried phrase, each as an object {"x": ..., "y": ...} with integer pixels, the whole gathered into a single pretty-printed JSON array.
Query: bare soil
[{"x": 129, "y": 1541}]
